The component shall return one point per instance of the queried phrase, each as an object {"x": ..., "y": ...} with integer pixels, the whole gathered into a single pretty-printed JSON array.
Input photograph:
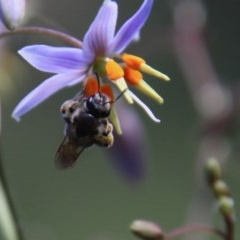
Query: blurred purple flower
[
  {"x": 12, "y": 12},
  {"x": 129, "y": 150}
]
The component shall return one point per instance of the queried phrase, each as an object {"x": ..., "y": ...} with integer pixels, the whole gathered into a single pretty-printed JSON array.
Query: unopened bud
[
  {"x": 213, "y": 170},
  {"x": 12, "y": 12},
  {"x": 221, "y": 189},
  {"x": 147, "y": 230},
  {"x": 226, "y": 206}
]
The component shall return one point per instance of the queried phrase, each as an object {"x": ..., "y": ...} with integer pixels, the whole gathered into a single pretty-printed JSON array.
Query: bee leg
[{"x": 104, "y": 141}]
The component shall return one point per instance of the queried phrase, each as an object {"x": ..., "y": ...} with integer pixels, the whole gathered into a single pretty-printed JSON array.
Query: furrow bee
[{"x": 86, "y": 124}]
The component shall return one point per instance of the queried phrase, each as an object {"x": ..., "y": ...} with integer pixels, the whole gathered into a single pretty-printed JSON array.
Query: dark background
[{"x": 93, "y": 200}]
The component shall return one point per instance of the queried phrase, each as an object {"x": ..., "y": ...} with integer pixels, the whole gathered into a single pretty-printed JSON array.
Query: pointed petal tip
[
  {"x": 46, "y": 89},
  {"x": 127, "y": 33},
  {"x": 16, "y": 117},
  {"x": 21, "y": 52}
]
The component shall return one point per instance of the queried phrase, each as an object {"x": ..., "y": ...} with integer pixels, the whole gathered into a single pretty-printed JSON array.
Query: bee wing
[
  {"x": 79, "y": 96},
  {"x": 67, "y": 153}
]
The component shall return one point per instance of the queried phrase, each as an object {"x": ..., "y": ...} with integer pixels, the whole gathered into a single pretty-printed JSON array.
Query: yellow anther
[
  {"x": 113, "y": 70},
  {"x": 132, "y": 76}
]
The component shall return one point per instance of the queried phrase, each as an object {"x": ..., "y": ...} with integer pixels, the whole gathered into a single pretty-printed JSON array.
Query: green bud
[
  {"x": 221, "y": 189},
  {"x": 226, "y": 206},
  {"x": 147, "y": 230},
  {"x": 12, "y": 12},
  {"x": 213, "y": 170}
]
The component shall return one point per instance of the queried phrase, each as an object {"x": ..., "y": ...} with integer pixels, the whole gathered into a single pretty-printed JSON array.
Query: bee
[{"x": 86, "y": 124}]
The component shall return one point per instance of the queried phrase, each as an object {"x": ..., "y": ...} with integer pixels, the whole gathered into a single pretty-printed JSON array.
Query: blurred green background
[{"x": 93, "y": 200}]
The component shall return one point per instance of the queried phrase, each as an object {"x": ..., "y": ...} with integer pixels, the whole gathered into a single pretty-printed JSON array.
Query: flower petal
[
  {"x": 53, "y": 59},
  {"x": 43, "y": 91},
  {"x": 101, "y": 32},
  {"x": 12, "y": 12},
  {"x": 144, "y": 107},
  {"x": 131, "y": 28}
]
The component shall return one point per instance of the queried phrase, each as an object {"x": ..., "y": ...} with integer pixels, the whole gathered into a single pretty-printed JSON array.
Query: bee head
[{"x": 98, "y": 105}]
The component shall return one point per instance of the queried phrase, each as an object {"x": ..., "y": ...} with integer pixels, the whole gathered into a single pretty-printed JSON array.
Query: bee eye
[
  {"x": 96, "y": 106},
  {"x": 75, "y": 119},
  {"x": 71, "y": 109}
]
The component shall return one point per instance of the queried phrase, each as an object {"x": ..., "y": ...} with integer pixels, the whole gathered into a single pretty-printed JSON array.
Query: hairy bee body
[{"x": 86, "y": 124}]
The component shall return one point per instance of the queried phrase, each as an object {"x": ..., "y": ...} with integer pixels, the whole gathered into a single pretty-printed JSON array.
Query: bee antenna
[
  {"x": 98, "y": 80},
  {"x": 120, "y": 95}
]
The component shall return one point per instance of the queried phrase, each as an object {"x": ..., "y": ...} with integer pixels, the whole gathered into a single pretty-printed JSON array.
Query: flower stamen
[
  {"x": 106, "y": 88},
  {"x": 147, "y": 69},
  {"x": 133, "y": 61},
  {"x": 135, "y": 78},
  {"x": 115, "y": 121},
  {"x": 132, "y": 76},
  {"x": 91, "y": 86},
  {"x": 113, "y": 70},
  {"x": 138, "y": 63},
  {"x": 146, "y": 89},
  {"x": 122, "y": 86}
]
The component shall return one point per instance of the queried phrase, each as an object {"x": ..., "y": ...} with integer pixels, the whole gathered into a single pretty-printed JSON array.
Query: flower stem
[
  {"x": 44, "y": 31},
  {"x": 9, "y": 224},
  {"x": 195, "y": 228},
  {"x": 229, "y": 222}
]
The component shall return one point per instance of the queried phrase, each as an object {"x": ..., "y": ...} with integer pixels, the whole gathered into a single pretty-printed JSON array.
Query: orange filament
[
  {"x": 106, "y": 88},
  {"x": 114, "y": 70},
  {"x": 133, "y": 61},
  {"x": 91, "y": 87},
  {"x": 132, "y": 76}
]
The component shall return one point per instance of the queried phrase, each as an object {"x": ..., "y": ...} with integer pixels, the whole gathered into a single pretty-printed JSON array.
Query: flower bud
[
  {"x": 213, "y": 170},
  {"x": 12, "y": 12},
  {"x": 226, "y": 206},
  {"x": 221, "y": 189},
  {"x": 147, "y": 230}
]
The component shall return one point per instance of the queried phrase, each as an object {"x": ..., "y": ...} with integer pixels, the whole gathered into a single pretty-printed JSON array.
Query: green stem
[
  {"x": 44, "y": 31},
  {"x": 9, "y": 222},
  {"x": 194, "y": 228}
]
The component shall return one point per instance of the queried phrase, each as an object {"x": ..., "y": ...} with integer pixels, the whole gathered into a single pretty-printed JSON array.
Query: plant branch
[
  {"x": 229, "y": 223},
  {"x": 44, "y": 31},
  {"x": 194, "y": 228}
]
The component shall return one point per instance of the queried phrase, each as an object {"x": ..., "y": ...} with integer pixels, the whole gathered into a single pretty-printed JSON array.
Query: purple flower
[
  {"x": 12, "y": 12},
  {"x": 101, "y": 49},
  {"x": 129, "y": 151}
]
